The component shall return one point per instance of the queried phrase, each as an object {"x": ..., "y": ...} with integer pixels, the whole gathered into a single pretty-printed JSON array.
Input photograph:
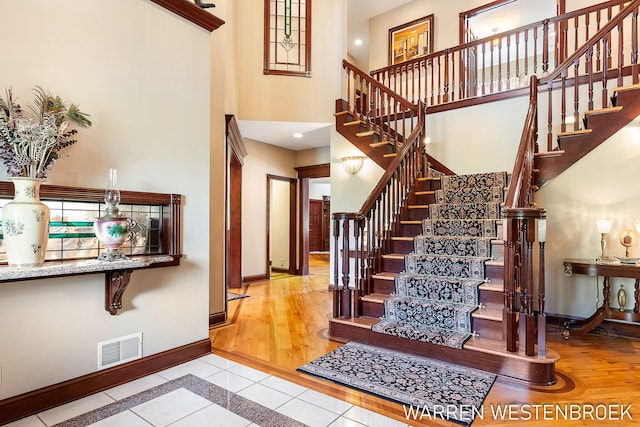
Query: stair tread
[
  {"x": 341, "y": 113},
  {"x": 418, "y": 206},
  {"x": 555, "y": 153},
  {"x": 491, "y": 287},
  {"x": 375, "y": 298},
  {"x": 402, "y": 238},
  {"x": 390, "y": 155},
  {"x": 495, "y": 262},
  {"x": 353, "y": 123},
  {"x": 411, "y": 222},
  {"x": 424, "y": 193},
  {"x": 626, "y": 88},
  {"x": 394, "y": 256},
  {"x": 574, "y": 133},
  {"x": 487, "y": 345},
  {"x": 603, "y": 111},
  {"x": 428, "y": 178},
  {"x": 379, "y": 144},
  {"x": 366, "y": 133},
  {"x": 362, "y": 321},
  {"x": 385, "y": 275},
  {"x": 488, "y": 314}
]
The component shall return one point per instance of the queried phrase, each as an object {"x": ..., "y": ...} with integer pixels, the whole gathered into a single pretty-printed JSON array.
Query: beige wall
[
  {"x": 141, "y": 72},
  {"x": 601, "y": 185},
  {"x": 262, "y": 160},
  {"x": 284, "y": 98}
]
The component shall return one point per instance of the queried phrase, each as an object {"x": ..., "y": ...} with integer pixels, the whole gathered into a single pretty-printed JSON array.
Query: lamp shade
[
  {"x": 604, "y": 225},
  {"x": 352, "y": 164}
]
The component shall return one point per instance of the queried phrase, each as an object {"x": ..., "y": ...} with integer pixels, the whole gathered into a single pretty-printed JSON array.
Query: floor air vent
[{"x": 119, "y": 350}]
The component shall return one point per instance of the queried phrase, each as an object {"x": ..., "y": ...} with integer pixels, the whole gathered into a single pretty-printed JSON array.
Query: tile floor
[{"x": 209, "y": 391}]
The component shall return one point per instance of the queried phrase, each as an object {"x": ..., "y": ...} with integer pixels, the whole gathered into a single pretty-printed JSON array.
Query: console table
[{"x": 605, "y": 311}]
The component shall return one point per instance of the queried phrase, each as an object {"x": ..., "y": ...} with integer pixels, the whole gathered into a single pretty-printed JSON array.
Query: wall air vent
[{"x": 119, "y": 350}]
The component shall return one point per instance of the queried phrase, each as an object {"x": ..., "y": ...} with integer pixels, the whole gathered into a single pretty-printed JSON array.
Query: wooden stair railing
[
  {"x": 582, "y": 84},
  {"x": 521, "y": 219},
  {"x": 375, "y": 108},
  {"x": 498, "y": 66},
  {"x": 360, "y": 238}
]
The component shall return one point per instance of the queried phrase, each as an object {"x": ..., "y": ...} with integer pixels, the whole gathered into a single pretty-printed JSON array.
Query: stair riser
[
  {"x": 422, "y": 199},
  {"x": 401, "y": 246},
  {"x": 489, "y": 329},
  {"x": 381, "y": 286},
  {"x": 429, "y": 185},
  {"x": 497, "y": 251},
  {"x": 372, "y": 309},
  {"x": 410, "y": 229},
  {"x": 492, "y": 300},
  {"x": 495, "y": 273},
  {"x": 416, "y": 214},
  {"x": 392, "y": 265}
]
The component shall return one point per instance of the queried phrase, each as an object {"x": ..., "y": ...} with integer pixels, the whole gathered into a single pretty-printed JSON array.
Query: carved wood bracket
[{"x": 116, "y": 282}]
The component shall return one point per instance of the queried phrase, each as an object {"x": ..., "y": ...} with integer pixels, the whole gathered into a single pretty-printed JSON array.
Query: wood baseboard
[
  {"x": 256, "y": 278},
  {"x": 217, "y": 318},
  {"x": 33, "y": 402}
]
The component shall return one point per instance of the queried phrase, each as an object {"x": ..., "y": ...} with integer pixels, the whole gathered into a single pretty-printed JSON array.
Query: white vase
[{"x": 25, "y": 224}]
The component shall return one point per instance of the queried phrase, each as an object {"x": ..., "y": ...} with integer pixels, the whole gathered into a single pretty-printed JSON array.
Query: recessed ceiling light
[
  {"x": 297, "y": 135},
  {"x": 358, "y": 42}
]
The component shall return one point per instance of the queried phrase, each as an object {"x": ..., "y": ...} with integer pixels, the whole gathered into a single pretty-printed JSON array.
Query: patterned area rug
[
  {"x": 437, "y": 293},
  {"x": 233, "y": 296},
  {"x": 420, "y": 383}
]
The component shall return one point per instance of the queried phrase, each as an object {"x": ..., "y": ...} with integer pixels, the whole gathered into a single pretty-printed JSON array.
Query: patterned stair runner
[{"x": 438, "y": 291}]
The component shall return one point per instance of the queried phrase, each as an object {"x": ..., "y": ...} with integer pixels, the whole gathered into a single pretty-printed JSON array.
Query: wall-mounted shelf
[{"x": 117, "y": 273}]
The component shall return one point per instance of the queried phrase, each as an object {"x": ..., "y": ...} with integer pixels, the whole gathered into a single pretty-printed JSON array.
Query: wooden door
[{"x": 315, "y": 225}]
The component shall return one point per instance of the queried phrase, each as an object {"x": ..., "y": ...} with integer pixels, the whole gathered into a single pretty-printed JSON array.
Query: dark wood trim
[
  {"x": 305, "y": 173},
  {"x": 191, "y": 12},
  {"x": 236, "y": 141},
  {"x": 292, "y": 222},
  {"x": 17, "y": 407},
  {"x": 322, "y": 170},
  {"x": 303, "y": 262},
  {"x": 217, "y": 318},
  {"x": 254, "y": 278},
  {"x": 236, "y": 152},
  {"x": 293, "y": 240}
]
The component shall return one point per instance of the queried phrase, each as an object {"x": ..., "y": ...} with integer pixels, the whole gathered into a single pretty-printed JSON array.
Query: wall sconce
[
  {"x": 604, "y": 226},
  {"x": 352, "y": 164}
]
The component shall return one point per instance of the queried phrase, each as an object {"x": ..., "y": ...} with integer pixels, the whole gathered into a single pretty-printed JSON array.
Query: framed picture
[{"x": 411, "y": 40}]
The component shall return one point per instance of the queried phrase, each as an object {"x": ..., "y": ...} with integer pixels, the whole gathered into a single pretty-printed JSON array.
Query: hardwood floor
[{"x": 284, "y": 324}]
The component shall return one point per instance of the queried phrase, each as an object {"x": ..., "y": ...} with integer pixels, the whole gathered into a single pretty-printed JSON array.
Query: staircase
[
  {"x": 447, "y": 223},
  {"x": 408, "y": 274},
  {"x": 599, "y": 125}
]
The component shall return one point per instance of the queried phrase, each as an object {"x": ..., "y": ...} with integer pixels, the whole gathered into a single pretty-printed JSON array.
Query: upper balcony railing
[{"x": 502, "y": 64}]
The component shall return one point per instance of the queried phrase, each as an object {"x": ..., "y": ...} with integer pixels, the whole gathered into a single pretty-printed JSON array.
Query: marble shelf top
[{"x": 62, "y": 268}]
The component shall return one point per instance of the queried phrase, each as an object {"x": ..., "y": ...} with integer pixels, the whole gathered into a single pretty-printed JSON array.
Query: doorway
[{"x": 281, "y": 230}]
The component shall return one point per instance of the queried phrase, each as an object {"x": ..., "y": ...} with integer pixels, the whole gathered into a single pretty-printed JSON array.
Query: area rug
[
  {"x": 233, "y": 296},
  {"x": 422, "y": 385}
]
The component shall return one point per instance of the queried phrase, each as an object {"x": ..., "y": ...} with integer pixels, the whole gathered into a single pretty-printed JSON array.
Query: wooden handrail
[
  {"x": 564, "y": 66},
  {"x": 522, "y": 175},
  {"x": 396, "y": 96},
  {"x": 451, "y": 75},
  {"x": 395, "y": 163}
]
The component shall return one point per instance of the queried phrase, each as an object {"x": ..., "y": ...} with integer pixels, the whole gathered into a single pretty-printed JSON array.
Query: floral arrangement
[{"x": 31, "y": 140}]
